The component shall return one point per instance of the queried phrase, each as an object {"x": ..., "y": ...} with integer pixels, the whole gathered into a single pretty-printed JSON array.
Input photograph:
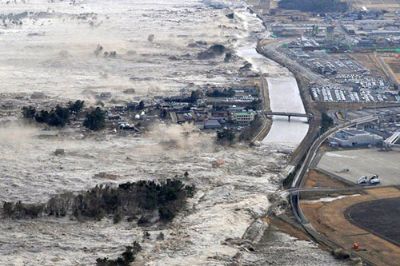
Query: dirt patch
[
  {"x": 369, "y": 61},
  {"x": 394, "y": 64},
  {"x": 284, "y": 224},
  {"x": 317, "y": 179}
]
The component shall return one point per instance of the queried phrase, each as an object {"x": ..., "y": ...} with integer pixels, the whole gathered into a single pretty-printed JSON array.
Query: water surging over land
[{"x": 53, "y": 52}]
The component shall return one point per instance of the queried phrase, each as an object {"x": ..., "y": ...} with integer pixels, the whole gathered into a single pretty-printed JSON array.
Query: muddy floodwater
[
  {"x": 50, "y": 50},
  {"x": 49, "y": 46},
  {"x": 284, "y": 95}
]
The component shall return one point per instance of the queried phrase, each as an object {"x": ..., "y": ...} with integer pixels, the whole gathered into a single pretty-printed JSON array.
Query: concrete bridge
[{"x": 289, "y": 115}]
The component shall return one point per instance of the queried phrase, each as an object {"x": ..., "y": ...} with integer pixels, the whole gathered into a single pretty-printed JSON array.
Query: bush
[
  {"x": 95, "y": 120},
  {"x": 249, "y": 132},
  {"x": 57, "y": 117},
  {"x": 22, "y": 210}
]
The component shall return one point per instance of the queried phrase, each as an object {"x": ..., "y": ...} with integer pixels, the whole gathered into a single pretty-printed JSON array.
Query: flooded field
[{"x": 52, "y": 47}]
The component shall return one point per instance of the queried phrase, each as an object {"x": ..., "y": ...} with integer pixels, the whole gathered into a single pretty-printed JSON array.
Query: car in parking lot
[
  {"x": 362, "y": 180},
  {"x": 374, "y": 180}
]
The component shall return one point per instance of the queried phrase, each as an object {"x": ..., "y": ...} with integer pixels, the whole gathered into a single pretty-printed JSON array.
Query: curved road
[{"x": 298, "y": 179}]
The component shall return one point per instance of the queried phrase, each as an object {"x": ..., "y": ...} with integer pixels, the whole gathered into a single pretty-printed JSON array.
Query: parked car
[
  {"x": 362, "y": 180},
  {"x": 374, "y": 180}
]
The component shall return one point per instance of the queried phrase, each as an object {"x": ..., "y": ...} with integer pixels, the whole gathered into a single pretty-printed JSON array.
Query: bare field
[
  {"x": 394, "y": 64},
  {"x": 315, "y": 179},
  {"x": 369, "y": 61}
]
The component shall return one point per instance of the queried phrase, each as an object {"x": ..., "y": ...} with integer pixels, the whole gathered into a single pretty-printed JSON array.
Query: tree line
[
  {"x": 95, "y": 119},
  {"x": 144, "y": 201}
]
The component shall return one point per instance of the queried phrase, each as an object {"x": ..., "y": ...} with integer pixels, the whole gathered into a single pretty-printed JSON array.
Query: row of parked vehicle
[{"x": 373, "y": 180}]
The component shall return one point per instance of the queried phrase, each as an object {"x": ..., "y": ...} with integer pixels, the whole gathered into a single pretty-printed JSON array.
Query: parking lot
[{"x": 352, "y": 164}]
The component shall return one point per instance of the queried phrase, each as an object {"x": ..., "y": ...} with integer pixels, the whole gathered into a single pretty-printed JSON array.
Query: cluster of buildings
[
  {"x": 349, "y": 81},
  {"x": 209, "y": 109},
  {"x": 335, "y": 93},
  {"x": 351, "y": 31},
  {"x": 211, "y": 113},
  {"x": 386, "y": 126},
  {"x": 298, "y": 29},
  {"x": 327, "y": 64},
  {"x": 385, "y": 130},
  {"x": 372, "y": 29}
]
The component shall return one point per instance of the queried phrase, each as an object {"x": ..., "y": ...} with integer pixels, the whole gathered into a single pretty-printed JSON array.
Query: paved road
[
  {"x": 298, "y": 179},
  {"x": 266, "y": 107},
  {"x": 297, "y": 182},
  {"x": 294, "y": 197}
]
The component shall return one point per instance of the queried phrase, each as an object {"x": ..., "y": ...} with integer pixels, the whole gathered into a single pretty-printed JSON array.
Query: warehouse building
[{"x": 354, "y": 138}]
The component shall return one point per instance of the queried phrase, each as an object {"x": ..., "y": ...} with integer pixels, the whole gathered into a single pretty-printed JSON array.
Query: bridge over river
[{"x": 289, "y": 114}]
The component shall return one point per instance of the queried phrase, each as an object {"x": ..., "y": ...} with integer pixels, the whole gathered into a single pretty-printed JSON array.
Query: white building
[
  {"x": 243, "y": 118},
  {"x": 355, "y": 138}
]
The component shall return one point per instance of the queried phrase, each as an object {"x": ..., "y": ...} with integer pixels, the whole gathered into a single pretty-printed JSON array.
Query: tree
[
  {"x": 194, "y": 96},
  {"x": 28, "y": 112},
  {"x": 326, "y": 122},
  {"x": 128, "y": 256},
  {"x": 42, "y": 116},
  {"x": 226, "y": 136},
  {"x": 222, "y": 93},
  {"x": 76, "y": 107},
  {"x": 256, "y": 104},
  {"x": 249, "y": 132},
  {"x": 165, "y": 214},
  {"x": 59, "y": 116},
  {"x": 141, "y": 105},
  {"x": 95, "y": 119}
]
